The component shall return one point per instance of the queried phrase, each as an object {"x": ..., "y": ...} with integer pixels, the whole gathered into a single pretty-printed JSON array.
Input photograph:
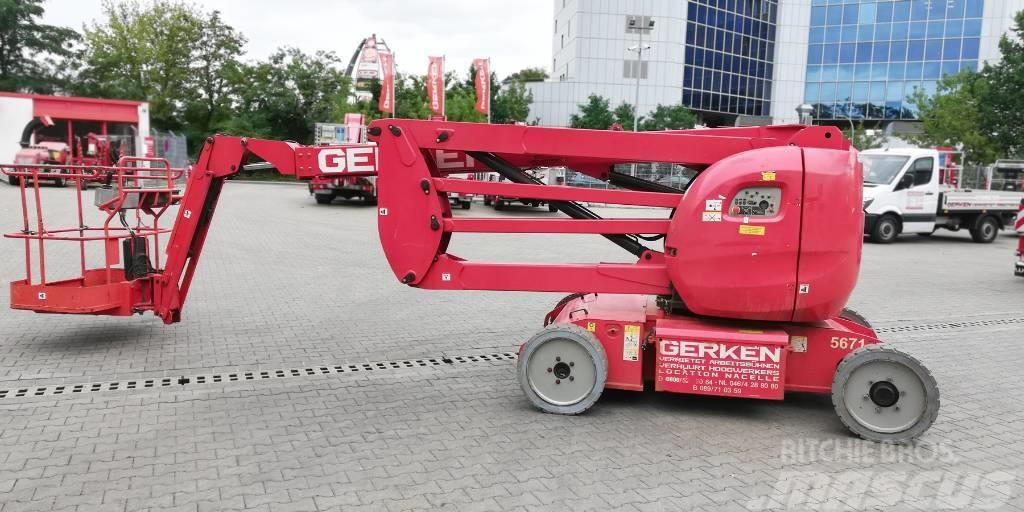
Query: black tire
[
  {"x": 925, "y": 234},
  {"x": 499, "y": 204},
  {"x": 886, "y": 230},
  {"x": 552, "y": 208},
  {"x": 572, "y": 352},
  {"x": 13, "y": 181},
  {"x": 466, "y": 204},
  {"x": 985, "y": 230},
  {"x": 323, "y": 199},
  {"x": 487, "y": 201},
  {"x": 855, "y": 317},
  {"x": 913, "y": 386},
  {"x": 370, "y": 200},
  {"x": 60, "y": 182}
]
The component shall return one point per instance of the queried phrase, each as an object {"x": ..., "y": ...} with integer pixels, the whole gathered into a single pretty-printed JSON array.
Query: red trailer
[{"x": 740, "y": 292}]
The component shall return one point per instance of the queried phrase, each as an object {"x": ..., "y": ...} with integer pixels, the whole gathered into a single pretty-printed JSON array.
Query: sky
[{"x": 515, "y": 34}]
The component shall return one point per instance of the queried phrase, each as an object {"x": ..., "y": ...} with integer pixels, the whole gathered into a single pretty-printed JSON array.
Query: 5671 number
[{"x": 846, "y": 343}]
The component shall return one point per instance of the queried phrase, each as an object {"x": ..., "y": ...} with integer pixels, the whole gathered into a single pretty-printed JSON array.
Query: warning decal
[
  {"x": 713, "y": 205},
  {"x": 712, "y": 217},
  {"x": 747, "y": 229},
  {"x": 631, "y": 343},
  {"x": 768, "y": 176}
]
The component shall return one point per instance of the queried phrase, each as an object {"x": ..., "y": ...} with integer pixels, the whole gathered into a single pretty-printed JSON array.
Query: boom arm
[{"x": 413, "y": 159}]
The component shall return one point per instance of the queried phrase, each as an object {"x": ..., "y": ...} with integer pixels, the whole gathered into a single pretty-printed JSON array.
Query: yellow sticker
[
  {"x": 747, "y": 229},
  {"x": 591, "y": 326},
  {"x": 768, "y": 176},
  {"x": 750, "y": 331}
]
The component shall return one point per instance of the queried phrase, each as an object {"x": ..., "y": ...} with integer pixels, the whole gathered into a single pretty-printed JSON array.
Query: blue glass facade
[
  {"x": 866, "y": 56},
  {"x": 730, "y": 47}
]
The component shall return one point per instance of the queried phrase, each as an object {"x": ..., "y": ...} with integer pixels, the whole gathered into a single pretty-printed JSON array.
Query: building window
[
  {"x": 871, "y": 55},
  {"x": 629, "y": 68},
  {"x": 730, "y": 47}
]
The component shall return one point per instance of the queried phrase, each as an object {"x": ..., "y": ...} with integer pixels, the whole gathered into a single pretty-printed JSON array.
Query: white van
[{"x": 905, "y": 192}]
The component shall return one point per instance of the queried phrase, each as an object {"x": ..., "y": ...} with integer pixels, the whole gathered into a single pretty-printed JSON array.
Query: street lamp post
[{"x": 641, "y": 24}]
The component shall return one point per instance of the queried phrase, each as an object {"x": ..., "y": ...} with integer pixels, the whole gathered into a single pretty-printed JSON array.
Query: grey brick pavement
[{"x": 287, "y": 283}]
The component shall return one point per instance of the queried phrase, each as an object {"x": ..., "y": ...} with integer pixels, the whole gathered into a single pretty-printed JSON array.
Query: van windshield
[{"x": 882, "y": 169}]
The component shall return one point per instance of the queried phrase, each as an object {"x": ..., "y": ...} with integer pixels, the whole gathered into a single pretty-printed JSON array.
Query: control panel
[{"x": 756, "y": 202}]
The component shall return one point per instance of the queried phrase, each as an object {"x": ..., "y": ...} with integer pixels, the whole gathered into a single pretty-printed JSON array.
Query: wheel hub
[
  {"x": 561, "y": 372},
  {"x": 884, "y": 394}
]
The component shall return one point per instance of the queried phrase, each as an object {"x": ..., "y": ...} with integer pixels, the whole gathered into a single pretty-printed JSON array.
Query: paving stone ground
[{"x": 285, "y": 283}]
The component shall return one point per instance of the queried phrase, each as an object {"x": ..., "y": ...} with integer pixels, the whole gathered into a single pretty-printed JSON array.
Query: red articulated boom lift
[{"x": 746, "y": 299}]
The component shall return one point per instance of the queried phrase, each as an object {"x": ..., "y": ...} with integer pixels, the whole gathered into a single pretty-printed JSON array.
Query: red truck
[{"x": 40, "y": 152}]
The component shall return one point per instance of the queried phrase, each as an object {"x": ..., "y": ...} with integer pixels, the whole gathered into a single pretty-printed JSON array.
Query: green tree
[
  {"x": 669, "y": 117},
  {"x": 285, "y": 95},
  {"x": 528, "y": 75},
  {"x": 144, "y": 52},
  {"x": 594, "y": 114},
  {"x": 864, "y": 138},
  {"x": 955, "y": 116},
  {"x": 1001, "y": 108},
  {"x": 625, "y": 115},
  {"x": 31, "y": 53},
  {"x": 215, "y": 62},
  {"x": 511, "y": 104}
]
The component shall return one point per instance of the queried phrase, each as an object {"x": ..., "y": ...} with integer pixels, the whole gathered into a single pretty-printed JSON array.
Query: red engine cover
[{"x": 757, "y": 230}]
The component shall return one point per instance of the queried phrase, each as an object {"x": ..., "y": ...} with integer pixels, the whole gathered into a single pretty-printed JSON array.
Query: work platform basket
[{"x": 124, "y": 234}]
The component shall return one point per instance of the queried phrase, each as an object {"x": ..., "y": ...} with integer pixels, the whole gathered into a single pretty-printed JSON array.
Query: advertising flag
[
  {"x": 387, "y": 86},
  {"x": 483, "y": 85},
  {"x": 435, "y": 85}
]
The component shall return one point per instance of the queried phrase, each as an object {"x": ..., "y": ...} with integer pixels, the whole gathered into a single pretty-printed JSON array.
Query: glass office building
[
  {"x": 865, "y": 57},
  {"x": 729, "y": 55}
]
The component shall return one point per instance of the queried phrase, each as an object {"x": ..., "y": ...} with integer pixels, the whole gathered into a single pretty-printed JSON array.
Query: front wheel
[
  {"x": 466, "y": 205},
  {"x": 985, "y": 230},
  {"x": 323, "y": 199},
  {"x": 499, "y": 204},
  {"x": 563, "y": 369},
  {"x": 552, "y": 207},
  {"x": 884, "y": 395},
  {"x": 13, "y": 181},
  {"x": 886, "y": 230}
]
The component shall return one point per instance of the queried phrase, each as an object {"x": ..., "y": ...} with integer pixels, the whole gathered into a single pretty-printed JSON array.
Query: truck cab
[{"x": 912, "y": 191}]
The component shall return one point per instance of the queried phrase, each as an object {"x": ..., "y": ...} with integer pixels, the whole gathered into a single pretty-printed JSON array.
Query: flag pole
[
  {"x": 394, "y": 76},
  {"x": 444, "y": 99},
  {"x": 488, "y": 90}
]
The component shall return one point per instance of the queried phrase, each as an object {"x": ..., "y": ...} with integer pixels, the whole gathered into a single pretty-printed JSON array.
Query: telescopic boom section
[{"x": 413, "y": 160}]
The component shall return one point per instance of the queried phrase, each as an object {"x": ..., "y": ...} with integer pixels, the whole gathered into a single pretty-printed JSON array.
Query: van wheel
[
  {"x": 886, "y": 230},
  {"x": 13, "y": 181},
  {"x": 985, "y": 230}
]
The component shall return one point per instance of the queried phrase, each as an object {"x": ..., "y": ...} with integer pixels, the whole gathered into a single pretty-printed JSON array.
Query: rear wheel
[
  {"x": 499, "y": 204},
  {"x": 884, "y": 395},
  {"x": 886, "y": 230},
  {"x": 466, "y": 205},
  {"x": 370, "y": 200},
  {"x": 323, "y": 199},
  {"x": 487, "y": 201},
  {"x": 985, "y": 230},
  {"x": 563, "y": 369},
  {"x": 853, "y": 316},
  {"x": 552, "y": 207},
  {"x": 13, "y": 181}
]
